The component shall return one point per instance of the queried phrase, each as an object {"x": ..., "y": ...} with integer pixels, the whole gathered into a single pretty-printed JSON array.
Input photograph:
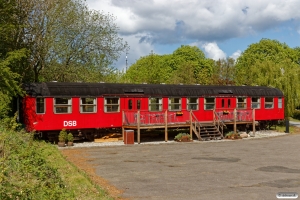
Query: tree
[
  {"x": 148, "y": 69},
  {"x": 191, "y": 58},
  {"x": 68, "y": 42},
  {"x": 9, "y": 81},
  {"x": 186, "y": 65},
  {"x": 13, "y": 54},
  {"x": 265, "y": 50},
  {"x": 270, "y": 63},
  {"x": 223, "y": 72}
]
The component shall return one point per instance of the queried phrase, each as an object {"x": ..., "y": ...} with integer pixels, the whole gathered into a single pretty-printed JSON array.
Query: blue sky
[{"x": 220, "y": 28}]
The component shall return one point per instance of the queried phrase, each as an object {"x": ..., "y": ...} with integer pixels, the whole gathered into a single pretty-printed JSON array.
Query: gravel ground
[{"x": 258, "y": 134}]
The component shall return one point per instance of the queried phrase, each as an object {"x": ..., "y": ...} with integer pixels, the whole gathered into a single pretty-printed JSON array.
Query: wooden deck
[{"x": 136, "y": 121}]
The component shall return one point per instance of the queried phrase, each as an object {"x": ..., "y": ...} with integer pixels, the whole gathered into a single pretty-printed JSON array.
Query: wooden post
[
  {"x": 138, "y": 127},
  {"x": 123, "y": 125},
  {"x": 253, "y": 121},
  {"x": 214, "y": 117},
  {"x": 234, "y": 120},
  {"x": 191, "y": 125},
  {"x": 166, "y": 125}
]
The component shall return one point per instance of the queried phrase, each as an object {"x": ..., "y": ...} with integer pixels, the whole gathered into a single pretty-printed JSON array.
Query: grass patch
[
  {"x": 293, "y": 119},
  {"x": 31, "y": 169},
  {"x": 282, "y": 128},
  {"x": 75, "y": 180}
]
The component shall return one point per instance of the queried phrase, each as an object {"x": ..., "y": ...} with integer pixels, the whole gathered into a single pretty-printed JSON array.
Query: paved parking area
[{"x": 239, "y": 169}]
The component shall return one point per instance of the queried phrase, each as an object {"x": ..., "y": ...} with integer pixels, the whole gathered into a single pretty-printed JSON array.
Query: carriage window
[
  {"x": 241, "y": 102},
  {"x": 138, "y": 104},
  {"x": 209, "y": 103},
  {"x": 62, "y": 105},
  {"x": 130, "y": 104},
  {"x": 192, "y": 103},
  {"x": 255, "y": 102},
  {"x": 112, "y": 104},
  {"x": 269, "y": 102},
  {"x": 228, "y": 101},
  {"x": 223, "y": 103},
  {"x": 174, "y": 104},
  {"x": 87, "y": 105},
  {"x": 279, "y": 102},
  {"x": 155, "y": 104},
  {"x": 40, "y": 105}
]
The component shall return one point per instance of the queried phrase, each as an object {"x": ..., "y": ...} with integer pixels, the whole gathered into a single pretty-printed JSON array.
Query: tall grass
[{"x": 31, "y": 169}]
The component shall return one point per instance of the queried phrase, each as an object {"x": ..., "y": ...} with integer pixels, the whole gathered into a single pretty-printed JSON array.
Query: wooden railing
[
  {"x": 155, "y": 118},
  {"x": 218, "y": 122},
  {"x": 234, "y": 114},
  {"x": 195, "y": 125}
]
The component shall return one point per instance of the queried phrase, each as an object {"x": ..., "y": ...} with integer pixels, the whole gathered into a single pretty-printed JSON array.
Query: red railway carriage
[{"x": 88, "y": 107}]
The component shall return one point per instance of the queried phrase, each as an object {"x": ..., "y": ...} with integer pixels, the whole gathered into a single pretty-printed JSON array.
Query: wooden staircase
[{"x": 207, "y": 130}]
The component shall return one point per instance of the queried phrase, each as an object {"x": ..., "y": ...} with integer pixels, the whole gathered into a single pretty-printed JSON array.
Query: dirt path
[{"x": 80, "y": 158}]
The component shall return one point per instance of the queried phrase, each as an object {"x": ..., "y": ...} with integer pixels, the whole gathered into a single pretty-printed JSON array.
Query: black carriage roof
[{"x": 63, "y": 89}]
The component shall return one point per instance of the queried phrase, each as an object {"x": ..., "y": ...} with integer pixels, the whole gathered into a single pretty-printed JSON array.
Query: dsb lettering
[{"x": 70, "y": 123}]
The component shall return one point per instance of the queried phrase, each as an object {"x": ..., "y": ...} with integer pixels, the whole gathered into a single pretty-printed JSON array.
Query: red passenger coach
[{"x": 86, "y": 109}]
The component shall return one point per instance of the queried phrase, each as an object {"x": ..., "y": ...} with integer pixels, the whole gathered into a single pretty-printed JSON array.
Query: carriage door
[
  {"x": 225, "y": 108},
  {"x": 225, "y": 103},
  {"x": 134, "y": 104}
]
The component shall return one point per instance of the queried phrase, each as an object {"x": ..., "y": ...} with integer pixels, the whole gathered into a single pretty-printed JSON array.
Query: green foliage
[
  {"x": 232, "y": 135},
  {"x": 64, "y": 40},
  {"x": 24, "y": 173},
  {"x": 179, "y": 136},
  {"x": 33, "y": 169},
  {"x": 10, "y": 123},
  {"x": 186, "y": 65},
  {"x": 271, "y": 63},
  {"x": 265, "y": 50},
  {"x": 296, "y": 114},
  {"x": 10, "y": 80},
  {"x": 63, "y": 135},
  {"x": 82, "y": 48},
  {"x": 223, "y": 72},
  {"x": 190, "y": 66},
  {"x": 70, "y": 137},
  {"x": 229, "y": 134},
  {"x": 4, "y": 105}
]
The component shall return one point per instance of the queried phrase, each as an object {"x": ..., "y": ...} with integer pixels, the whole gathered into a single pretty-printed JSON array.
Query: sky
[{"x": 220, "y": 28}]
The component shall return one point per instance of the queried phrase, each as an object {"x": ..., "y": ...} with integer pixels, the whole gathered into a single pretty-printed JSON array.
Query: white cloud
[
  {"x": 298, "y": 31},
  {"x": 236, "y": 54},
  {"x": 213, "y": 51},
  {"x": 143, "y": 24},
  {"x": 204, "y": 20}
]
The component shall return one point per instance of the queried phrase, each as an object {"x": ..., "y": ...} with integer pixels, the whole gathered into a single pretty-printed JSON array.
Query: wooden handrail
[{"x": 218, "y": 120}]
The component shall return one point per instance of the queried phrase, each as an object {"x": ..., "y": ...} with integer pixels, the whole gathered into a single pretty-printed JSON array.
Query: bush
[
  {"x": 63, "y": 135},
  {"x": 70, "y": 137},
  {"x": 232, "y": 135},
  {"x": 179, "y": 136},
  {"x": 24, "y": 173},
  {"x": 296, "y": 114}
]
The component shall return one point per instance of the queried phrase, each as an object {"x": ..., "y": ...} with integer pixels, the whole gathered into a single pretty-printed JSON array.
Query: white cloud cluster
[
  {"x": 213, "y": 51},
  {"x": 236, "y": 54},
  {"x": 184, "y": 21},
  {"x": 202, "y": 20}
]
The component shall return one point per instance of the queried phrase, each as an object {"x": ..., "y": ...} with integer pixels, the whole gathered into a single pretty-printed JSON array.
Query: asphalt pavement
[
  {"x": 238, "y": 169},
  {"x": 293, "y": 123}
]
